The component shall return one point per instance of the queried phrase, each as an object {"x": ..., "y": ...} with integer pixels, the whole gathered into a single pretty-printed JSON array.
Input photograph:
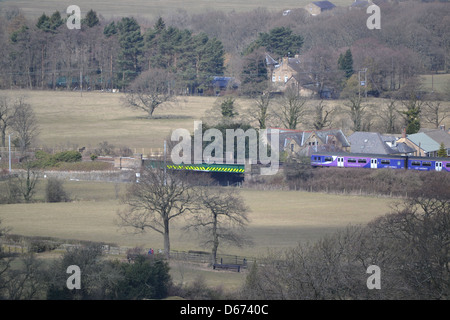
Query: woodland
[{"x": 191, "y": 49}]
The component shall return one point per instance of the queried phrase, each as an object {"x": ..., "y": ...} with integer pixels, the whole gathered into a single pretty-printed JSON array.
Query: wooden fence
[{"x": 22, "y": 247}]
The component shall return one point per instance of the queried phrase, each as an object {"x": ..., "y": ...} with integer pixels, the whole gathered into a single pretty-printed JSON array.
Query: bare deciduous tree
[
  {"x": 434, "y": 112},
  {"x": 410, "y": 246},
  {"x": 6, "y": 117},
  {"x": 292, "y": 109},
  {"x": 357, "y": 110},
  {"x": 322, "y": 117},
  {"x": 24, "y": 124},
  {"x": 154, "y": 201},
  {"x": 222, "y": 218},
  {"x": 150, "y": 91}
]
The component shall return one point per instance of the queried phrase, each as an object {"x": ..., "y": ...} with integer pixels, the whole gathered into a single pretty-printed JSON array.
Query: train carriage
[
  {"x": 378, "y": 161},
  {"x": 429, "y": 164}
]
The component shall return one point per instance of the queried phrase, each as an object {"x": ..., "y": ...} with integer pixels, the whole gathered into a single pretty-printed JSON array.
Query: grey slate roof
[
  {"x": 426, "y": 143},
  {"x": 439, "y": 136},
  {"x": 324, "y": 5},
  {"x": 374, "y": 142}
]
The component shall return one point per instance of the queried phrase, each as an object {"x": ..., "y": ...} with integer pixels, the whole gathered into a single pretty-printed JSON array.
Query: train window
[
  {"x": 362, "y": 161},
  {"x": 328, "y": 159},
  {"x": 447, "y": 165},
  {"x": 351, "y": 160},
  {"x": 426, "y": 164},
  {"x": 385, "y": 161},
  {"x": 415, "y": 163}
]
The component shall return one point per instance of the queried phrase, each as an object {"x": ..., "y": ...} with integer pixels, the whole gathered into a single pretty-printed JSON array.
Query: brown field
[
  {"x": 153, "y": 8},
  {"x": 70, "y": 120},
  {"x": 279, "y": 219}
]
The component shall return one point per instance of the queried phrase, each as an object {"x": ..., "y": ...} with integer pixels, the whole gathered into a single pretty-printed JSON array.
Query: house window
[
  {"x": 286, "y": 78},
  {"x": 292, "y": 147},
  {"x": 274, "y": 78}
]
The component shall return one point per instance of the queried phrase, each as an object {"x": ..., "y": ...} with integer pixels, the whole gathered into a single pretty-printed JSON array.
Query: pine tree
[
  {"x": 91, "y": 19},
  {"x": 345, "y": 63},
  {"x": 160, "y": 24},
  {"x": 131, "y": 44},
  {"x": 280, "y": 41},
  {"x": 442, "y": 153}
]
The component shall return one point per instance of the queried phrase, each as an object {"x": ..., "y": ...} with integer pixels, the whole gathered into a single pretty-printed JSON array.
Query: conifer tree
[{"x": 345, "y": 63}]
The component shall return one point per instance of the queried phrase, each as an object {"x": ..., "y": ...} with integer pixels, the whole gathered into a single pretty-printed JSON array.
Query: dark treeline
[{"x": 414, "y": 38}]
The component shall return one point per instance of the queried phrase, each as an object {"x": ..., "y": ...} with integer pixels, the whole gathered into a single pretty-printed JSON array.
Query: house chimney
[{"x": 403, "y": 133}]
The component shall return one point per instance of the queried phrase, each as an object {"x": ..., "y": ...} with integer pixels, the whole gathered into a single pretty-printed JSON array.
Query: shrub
[
  {"x": 144, "y": 279},
  {"x": 68, "y": 156},
  {"x": 54, "y": 192}
]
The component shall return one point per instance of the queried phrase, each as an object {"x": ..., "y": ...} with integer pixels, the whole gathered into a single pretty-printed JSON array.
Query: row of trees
[
  {"x": 101, "y": 55},
  {"x": 409, "y": 245},
  {"x": 192, "y": 48}
]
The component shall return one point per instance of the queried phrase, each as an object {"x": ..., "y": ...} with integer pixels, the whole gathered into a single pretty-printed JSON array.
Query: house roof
[
  {"x": 360, "y": 4},
  {"x": 439, "y": 136},
  {"x": 324, "y": 5},
  {"x": 301, "y": 137},
  {"x": 222, "y": 82},
  {"x": 423, "y": 141},
  {"x": 375, "y": 143}
]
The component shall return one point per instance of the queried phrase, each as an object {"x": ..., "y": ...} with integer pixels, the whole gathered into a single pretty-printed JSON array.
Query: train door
[
  {"x": 373, "y": 163},
  {"x": 340, "y": 161},
  {"x": 438, "y": 166}
]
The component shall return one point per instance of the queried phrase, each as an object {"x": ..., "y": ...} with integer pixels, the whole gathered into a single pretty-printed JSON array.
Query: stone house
[
  {"x": 317, "y": 7},
  {"x": 304, "y": 143}
]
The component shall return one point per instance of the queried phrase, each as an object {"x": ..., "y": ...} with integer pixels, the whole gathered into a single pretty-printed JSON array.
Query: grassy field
[
  {"x": 436, "y": 82},
  {"x": 279, "y": 219},
  {"x": 150, "y": 9},
  {"x": 68, "y": 118}
]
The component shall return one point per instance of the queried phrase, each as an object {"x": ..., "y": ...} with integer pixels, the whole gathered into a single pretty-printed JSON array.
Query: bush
[
  {"x": 68, "y": 156},
  {"x": 144, "y": 279},
  {"x": 44, "y": 159},
  {"x": 54, "y": 192}
]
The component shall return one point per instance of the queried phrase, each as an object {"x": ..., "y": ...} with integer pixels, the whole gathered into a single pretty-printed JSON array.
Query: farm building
[{"x": 317, "y": 7}]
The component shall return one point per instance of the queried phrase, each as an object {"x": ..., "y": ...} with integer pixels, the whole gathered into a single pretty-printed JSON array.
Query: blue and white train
[{"x": 378, "y": 161}]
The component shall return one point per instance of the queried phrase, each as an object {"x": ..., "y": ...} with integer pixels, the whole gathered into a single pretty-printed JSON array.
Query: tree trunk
[
  {"x": 166, "y": 239},
  {"x": 215, "y": 241}
]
